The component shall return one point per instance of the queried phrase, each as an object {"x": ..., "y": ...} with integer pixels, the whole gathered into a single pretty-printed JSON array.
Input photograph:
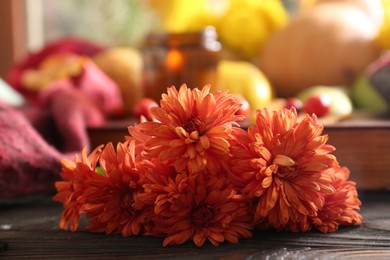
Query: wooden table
[{"x": 29, "y": 230}]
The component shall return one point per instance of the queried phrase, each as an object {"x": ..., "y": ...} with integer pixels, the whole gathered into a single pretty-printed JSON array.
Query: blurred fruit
[
  {"x": 240, "y": 77},
  {"x": 373, "y": 8},
  {"x": 380, "y": 77},
  {"x": 306, "y": 3},
  {"x": 293, "y": 102},
  {"x": 245, "y": 110},
  {"x": 320, "y": 45},
  {"x": 124, "y": 66},
  {"x": 318, "y": 104},
  {"x": 187, "y": 15},
  {"x": 367, "y": 90},
  {"x": 366, "y": 97},
  {"x": 261, "y": 20},
  {"x": 341, "y": 103},
  {"x": 384, "y": 34},
  {"x": 142, "y": 108}
]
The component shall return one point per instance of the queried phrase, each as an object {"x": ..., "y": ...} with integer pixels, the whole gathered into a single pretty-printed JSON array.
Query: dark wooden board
[{"x": 31, "y": 232}]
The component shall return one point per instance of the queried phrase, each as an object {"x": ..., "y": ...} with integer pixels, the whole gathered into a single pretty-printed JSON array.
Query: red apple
[
  {"x": 318, "y": 104},
  {"x": 142, "y": 108},
  {"x": 293, "y": 102}
]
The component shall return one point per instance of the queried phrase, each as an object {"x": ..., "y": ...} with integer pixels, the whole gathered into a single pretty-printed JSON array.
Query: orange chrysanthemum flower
[
  {"x": 191, "y": 175},
  {"x": 110, "y": 195},
  {"x": 69, "y": 192},
  {"x": 197, "y": 207},
  {"x": 191, "y": 129},
  {"x": 106, "y": 194},
  {"x": 340, "y": 207},
  {"x": 280, "y": 163}
]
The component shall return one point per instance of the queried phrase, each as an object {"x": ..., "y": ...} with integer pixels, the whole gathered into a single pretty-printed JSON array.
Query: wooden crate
[{"x": 363, "y": 145}]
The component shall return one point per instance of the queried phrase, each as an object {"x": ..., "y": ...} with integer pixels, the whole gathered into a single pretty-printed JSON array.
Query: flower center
[
  {"x": 194, "y": 124},
  {"x": 127, "y": 202},
  {"x": 202, "y": 216},
  {"x": 286, "y": 167}
]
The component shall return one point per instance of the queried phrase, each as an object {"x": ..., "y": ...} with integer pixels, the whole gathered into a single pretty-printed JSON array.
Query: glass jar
[{"x": 171, "y": 59}]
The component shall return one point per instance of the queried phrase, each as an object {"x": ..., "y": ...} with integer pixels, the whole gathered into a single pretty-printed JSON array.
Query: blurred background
[
  {"x": 28, "y": 24},
  {"x": 287, "y": 45}
]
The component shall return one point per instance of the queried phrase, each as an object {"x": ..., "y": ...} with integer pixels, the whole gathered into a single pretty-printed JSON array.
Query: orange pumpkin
[{"x": 330, "y": 43}]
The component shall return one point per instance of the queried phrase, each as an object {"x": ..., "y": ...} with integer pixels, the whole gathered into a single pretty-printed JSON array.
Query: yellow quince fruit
[
  {"x": 241, "y": 77},
  {"x": 187, "y": 15},
  {"x": 248, "y": 24}
]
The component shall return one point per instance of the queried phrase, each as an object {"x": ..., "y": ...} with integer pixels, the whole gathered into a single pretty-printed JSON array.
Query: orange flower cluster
[{"x": 193, "y": 174}]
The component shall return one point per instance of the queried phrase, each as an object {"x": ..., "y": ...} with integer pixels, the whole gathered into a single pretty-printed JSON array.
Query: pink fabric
[
  {"x": 73, "y": 113},
  {"x": 28, "y": 164},
  {"x": 101, "y": 89},
  {"x": 34, "y": 139}
]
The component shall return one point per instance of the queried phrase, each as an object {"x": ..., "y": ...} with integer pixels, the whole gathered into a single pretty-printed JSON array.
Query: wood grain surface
[{"x": 30, "y": 231}]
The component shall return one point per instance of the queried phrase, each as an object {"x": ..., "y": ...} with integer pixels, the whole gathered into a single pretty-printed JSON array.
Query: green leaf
[{"x": 100, "y": 171}]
